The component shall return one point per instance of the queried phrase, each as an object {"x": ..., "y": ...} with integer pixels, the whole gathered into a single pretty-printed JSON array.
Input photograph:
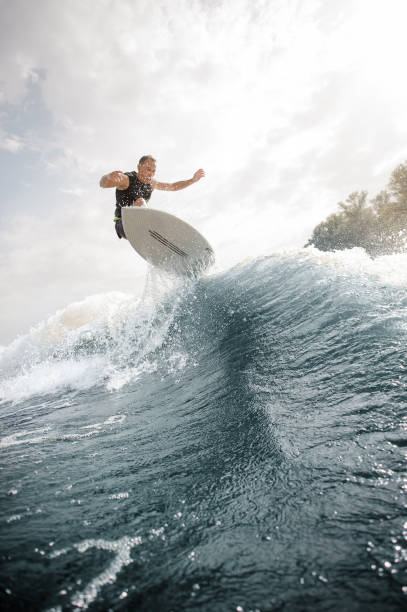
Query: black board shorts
[{"x": 119, "y": 228}]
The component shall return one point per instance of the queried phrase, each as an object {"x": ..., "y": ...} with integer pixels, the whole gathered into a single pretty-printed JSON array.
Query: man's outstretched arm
[
  {"x": 117, "y": 179},
  {"x": 179, "y": 184}
]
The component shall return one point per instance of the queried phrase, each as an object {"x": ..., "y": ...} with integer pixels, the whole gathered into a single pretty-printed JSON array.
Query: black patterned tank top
[{"x": 136, "y": 189}]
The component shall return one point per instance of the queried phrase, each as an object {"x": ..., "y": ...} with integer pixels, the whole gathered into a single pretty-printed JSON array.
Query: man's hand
[
  {"x": 198, "y": 175},
  {"x": 115, "y": 179},
  {"x": 140, "y": 202}
]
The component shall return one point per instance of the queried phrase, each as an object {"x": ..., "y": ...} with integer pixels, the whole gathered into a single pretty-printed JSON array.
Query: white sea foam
[
  {"x": 103, "y": 340},
  {"x": 389, "y": 270},
  {"x": 118, "y": 378},
  {"x": 123, "y": 495},
  {"x": 121, "y": 549},
  {"x": 48, "y": 434},
  {"x": 109, "y": 339},
  {"x": 34, "y": 436},
  {"x": 49, "y": 376}
]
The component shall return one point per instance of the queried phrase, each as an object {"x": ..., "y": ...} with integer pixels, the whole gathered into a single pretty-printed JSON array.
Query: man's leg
[{"x": 119, "y": 229}]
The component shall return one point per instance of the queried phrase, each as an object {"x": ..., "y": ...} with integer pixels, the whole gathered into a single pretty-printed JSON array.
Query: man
[{"x": 135, "y": 188}]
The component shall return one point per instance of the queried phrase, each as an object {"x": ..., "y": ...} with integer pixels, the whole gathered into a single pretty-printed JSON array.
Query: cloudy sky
[{"x": 288, "y": 105}]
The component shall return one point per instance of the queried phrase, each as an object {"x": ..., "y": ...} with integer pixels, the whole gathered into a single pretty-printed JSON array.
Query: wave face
[{"x": 235, "y": 443}]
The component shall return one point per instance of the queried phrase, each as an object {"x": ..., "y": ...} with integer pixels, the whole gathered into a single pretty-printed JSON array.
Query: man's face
[{"x": 146, "y": 171}]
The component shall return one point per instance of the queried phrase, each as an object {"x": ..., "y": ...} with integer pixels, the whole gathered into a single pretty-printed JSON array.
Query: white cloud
[
  {"x": 78, "y": 192},
  {"x": 10, "y": 142},
  {"x": 288, "y": 106}
]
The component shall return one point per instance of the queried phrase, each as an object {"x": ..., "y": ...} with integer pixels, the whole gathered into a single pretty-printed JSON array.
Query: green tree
[
  {"x": 391, "y": 208},
  {"x": 398, "y": 184},
  {"x": 354, "y": 226},
  {"x": 380, "y": 228}
]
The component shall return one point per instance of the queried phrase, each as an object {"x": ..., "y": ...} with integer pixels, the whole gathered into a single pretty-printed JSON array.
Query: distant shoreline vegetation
[{"x": 379, "y": 227}]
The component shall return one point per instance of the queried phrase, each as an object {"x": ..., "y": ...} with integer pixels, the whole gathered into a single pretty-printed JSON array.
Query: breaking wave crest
[{"x": 111, "y": 339}]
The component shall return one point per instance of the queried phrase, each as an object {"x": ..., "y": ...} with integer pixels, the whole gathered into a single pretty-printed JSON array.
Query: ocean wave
[
  {"x": 110, "y": 340},
  {"x": 179, "y": 445}
]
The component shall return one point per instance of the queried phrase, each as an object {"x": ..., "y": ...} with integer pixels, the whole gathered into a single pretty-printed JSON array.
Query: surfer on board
[{"x": 135, "y": 188}]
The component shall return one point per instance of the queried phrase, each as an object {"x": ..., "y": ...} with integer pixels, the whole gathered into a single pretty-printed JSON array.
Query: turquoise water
[{"x": 236, "y": 443}]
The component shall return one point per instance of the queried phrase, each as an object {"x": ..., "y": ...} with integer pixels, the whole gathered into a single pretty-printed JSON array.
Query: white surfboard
[{"x": 166, "y": 241}]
